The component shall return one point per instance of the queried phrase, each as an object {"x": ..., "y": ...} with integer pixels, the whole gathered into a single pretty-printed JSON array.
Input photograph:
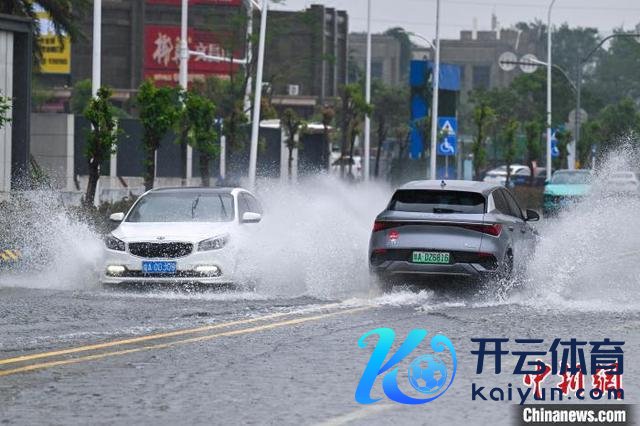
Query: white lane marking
[{"x": 358, "y": 414}]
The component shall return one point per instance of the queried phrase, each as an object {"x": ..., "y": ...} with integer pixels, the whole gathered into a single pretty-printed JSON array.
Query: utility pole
[
  {"x": 184, "y": 76},
  {"x": 367, "y": 119},
  {"x": 255, "y": 124},
  {"x": 97, "y": 47},
  {"x": 434, "y": 98},
  {"x": 549, "y": 66}
]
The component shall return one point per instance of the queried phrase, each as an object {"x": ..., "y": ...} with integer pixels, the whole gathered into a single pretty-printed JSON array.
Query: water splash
[
  {"x": 58, "y": 250},
  {"x": 589, "y": 257},
  {"x": 314, "y": 236}
]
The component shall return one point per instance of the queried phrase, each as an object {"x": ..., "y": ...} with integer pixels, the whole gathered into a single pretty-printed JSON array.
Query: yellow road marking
[
  {"x": 11, "y": 255},
  {"x": 149, "y": 337},
  {"x": 4, "y": 256},
  {"x": 178, "y": 342}
]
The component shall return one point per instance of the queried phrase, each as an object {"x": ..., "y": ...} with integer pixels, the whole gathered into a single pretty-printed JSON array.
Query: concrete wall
[
  {"x": 6, "y": 89},
  {"x": 52, "y": 139}
]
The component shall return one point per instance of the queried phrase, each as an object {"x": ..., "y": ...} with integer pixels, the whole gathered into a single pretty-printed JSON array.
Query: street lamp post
[
  {"x": 183, "y": 73},
  {"x": 367, "y": 119},
  {"x": 434, "y": 98},
  {"x": 97, "y": 45},
  {"x": 549, "y": 66},
  {"x": 255, "y": 124}
]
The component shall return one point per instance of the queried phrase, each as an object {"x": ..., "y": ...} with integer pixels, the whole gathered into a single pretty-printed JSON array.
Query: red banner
[
  {"x": 191, "y": 2},
  {"x": 162, "y": 54}
]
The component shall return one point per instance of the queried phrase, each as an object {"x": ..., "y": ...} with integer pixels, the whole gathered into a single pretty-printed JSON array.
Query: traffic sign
[
  {"x": 449, "y": 128},
  {"x": 555, "y": 151},
  {"x": 529, "y": 64}
]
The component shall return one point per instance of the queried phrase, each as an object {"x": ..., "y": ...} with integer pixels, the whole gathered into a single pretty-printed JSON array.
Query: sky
[{"x": 419, "y": 15}]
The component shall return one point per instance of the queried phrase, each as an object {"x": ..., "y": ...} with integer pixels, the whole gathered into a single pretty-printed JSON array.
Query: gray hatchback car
[{"x": 451, "y": 229}]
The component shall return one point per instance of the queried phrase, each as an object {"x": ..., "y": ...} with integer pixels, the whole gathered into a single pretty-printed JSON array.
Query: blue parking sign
[{"x": 448, "y": 144}]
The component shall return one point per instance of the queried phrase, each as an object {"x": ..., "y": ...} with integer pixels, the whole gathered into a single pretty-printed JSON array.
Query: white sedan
[
  {"x": 180, "y": 235},
  {"x": 499, "y": 175}
]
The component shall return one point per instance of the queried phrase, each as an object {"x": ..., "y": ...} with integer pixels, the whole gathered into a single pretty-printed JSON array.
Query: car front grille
[{"x": 160, "y": 250}]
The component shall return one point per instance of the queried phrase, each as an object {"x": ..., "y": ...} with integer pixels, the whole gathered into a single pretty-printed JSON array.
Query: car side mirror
[
  {"x": 532, "y": 216},
  {"x": 250, "y": 217},
  {"x": 117, "y": 217}
]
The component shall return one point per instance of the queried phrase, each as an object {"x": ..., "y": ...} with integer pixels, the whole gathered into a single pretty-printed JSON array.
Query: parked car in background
[
  {"x": 627, "y": 183},
  {"x": 498, "y": 176},
  {"x": 565, "y": 188},
  {"x": 450, "y": 229},
  {"x": 539, "y": 177}
]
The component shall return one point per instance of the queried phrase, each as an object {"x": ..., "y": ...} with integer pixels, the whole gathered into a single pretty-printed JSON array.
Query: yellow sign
[{"x": 56, "y": 51}]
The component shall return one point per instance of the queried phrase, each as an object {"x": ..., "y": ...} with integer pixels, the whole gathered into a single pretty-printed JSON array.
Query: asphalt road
[{"x": 104, "y": 357}]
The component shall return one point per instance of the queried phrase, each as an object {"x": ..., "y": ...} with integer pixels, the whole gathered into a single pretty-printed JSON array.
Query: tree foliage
[
  {"x": 5, "y": 108},
  {"x": 198, "y": 124},
  {"x": 483, "y": 118},
  {"x": 102, "y": 138},
  {"x": 353, "y": 109},
  {"x": 159, "y": 110}
]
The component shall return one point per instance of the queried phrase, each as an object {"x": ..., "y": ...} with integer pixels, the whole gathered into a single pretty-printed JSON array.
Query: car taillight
[
  {"x": 380, "y": 225},
  {"x": 493, "y": 229}
]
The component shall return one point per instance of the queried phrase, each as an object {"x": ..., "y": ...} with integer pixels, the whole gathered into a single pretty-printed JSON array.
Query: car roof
[
  {"x": 199, "y": 189},
  {"x": 452, "y": 185}
]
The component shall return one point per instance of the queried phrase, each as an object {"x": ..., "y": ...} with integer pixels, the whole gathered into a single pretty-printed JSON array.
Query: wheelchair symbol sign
[{"x": 448, "y": 127}]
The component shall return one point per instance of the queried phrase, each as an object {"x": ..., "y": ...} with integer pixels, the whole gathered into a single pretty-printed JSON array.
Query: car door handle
[
  {"x": 524, "y": 231},
  {"x": 510, "y": 228}
]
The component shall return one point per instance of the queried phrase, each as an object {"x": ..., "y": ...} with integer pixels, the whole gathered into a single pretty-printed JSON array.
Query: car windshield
[
  {"x": 434, "y": 201},
  {"x": 189, "y": 206},
  {"x": 570, "y": 178}
]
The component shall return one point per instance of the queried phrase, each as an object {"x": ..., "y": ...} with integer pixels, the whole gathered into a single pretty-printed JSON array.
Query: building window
[
  {"x": 376, "y": 69},
  {"x": 481, "y": 76}
]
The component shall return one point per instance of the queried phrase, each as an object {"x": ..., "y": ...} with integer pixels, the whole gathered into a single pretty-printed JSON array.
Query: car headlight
[
  {"x": 214, "y": 243},
  {"x": 113, "y": 243}
]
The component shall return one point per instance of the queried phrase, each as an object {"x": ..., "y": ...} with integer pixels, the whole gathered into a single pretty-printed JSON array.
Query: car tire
[{"x": 505, "y": 270}]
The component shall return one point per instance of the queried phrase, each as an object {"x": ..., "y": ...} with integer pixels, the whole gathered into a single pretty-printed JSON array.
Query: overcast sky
[{"x": 419, "y": 15}]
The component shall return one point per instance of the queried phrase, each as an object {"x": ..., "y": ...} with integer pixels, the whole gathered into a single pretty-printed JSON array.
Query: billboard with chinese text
[
  {"x": 162, "y": 54},
  {"x": 192, "y": 2},
  {"x": 56, "y": 51}
]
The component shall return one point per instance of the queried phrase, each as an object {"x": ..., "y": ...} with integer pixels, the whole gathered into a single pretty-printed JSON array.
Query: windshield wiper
[
  {"x": 194, "y": 205},
  {"x": 224, "y": 209}
]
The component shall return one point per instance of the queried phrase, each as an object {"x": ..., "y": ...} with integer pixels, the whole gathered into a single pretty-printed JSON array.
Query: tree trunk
[
  {"x": 290, "y": 164},
  {"x": 94, "y": 175},
  {"x": 381, "y": 137},
  {"x": 149, "y": 168},
  {"x": 345, "y": 134},
  {"x": 532, "y": 178},
  {"x": 327, "y": 148},
  {"x": 353, "y": 141},
  {"x": 205, "y": 176},
  {"x": 506, "y": 182}
]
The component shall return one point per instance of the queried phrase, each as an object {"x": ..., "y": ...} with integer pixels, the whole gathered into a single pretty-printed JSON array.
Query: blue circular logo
[{"x": 427, "y": 374}]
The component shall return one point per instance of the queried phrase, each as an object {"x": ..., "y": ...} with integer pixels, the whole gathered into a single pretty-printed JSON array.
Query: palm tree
[{"x": 64, "y": 16}]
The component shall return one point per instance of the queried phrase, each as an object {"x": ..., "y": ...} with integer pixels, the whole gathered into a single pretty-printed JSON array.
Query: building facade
[
  {"x": 141, "y": 38},
  {"x": 385, "y": 58},
  {"x": 306, "y": 57},
  {"x": 478, "y": 54}
]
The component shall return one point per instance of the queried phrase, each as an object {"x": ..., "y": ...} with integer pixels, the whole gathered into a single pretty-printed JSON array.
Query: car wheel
[{"x": 505, "y": 270}]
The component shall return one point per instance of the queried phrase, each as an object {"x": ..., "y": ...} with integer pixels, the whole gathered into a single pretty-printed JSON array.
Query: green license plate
[{"x": 431, "y": 257}]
